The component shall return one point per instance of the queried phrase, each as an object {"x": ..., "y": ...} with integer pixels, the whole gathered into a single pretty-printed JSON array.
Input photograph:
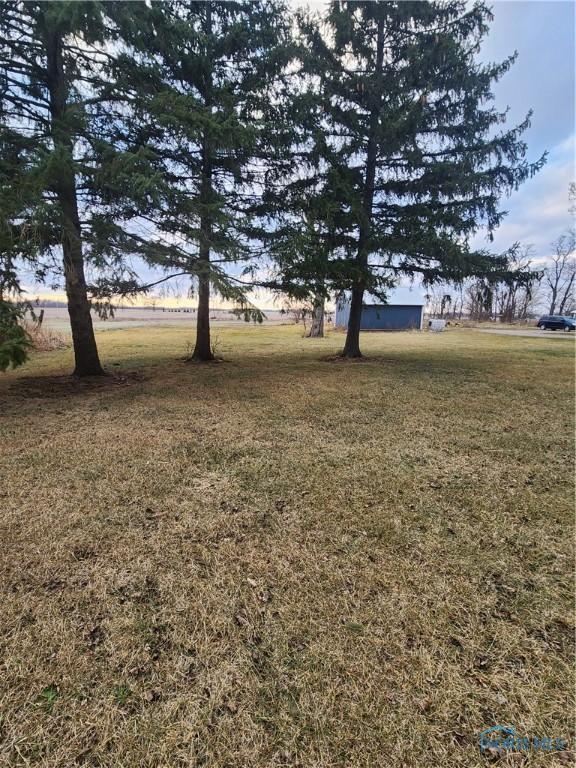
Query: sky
[{"x": 542, "y": 79}]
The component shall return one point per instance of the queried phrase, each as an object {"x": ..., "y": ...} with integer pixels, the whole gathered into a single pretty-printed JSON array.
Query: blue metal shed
[{"x": 404, "y": 311}]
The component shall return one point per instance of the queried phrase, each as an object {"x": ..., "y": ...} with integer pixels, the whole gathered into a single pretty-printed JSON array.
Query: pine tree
[
  {"x": 206, "y": 112},
  {"x": 408, "y": 149},
  {"x": 14, "y": 341},
  {"x": 62, "y": 125},
  {"x": 301, "y": 209}
]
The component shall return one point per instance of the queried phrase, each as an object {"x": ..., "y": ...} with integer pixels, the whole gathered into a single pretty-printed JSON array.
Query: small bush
[{"x": 45, "y": 339}]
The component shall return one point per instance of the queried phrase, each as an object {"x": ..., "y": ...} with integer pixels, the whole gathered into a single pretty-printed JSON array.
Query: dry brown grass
[{"x": 279, "y": 561}]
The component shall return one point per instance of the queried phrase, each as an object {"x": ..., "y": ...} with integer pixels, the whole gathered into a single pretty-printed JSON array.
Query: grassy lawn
[{"x": 282, "y": 561}]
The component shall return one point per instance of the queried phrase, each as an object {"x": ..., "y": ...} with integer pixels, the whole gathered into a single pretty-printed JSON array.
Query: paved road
[{"x": 532, "y": 333}]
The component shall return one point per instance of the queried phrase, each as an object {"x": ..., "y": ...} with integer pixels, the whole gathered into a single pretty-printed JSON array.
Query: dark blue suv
[{"x": 556, "y": 322}]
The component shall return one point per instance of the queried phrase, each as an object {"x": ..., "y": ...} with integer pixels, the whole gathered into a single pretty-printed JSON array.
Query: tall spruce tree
[
  {"x": 302, "y": 206},
  {"x": 205, "y": 112},
  {"x": 62, "y": 125},
  {"x": 410, "y": 141}
]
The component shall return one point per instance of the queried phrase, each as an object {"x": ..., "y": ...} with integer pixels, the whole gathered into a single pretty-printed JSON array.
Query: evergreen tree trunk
[
  {"x": 203, "y": 348},
  {"x": 352, "y": 344},
  {"x": 87, "y": 362},
  {"x": 317, "y": 327}
]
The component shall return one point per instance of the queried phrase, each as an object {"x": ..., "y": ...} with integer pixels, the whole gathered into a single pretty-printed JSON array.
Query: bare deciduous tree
[
  {"x": 513, "y": 298},
  {"x": 298, "y": 311},
  {"x": 561, "y": 273}
]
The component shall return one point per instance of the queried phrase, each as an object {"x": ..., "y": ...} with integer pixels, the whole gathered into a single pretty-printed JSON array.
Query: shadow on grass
[
  {"x": 256, "y": 370},
  {"x": 50, "y": 387}
]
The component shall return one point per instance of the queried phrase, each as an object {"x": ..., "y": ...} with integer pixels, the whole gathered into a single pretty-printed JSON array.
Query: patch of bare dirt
[{"x": 60, "y": 386}]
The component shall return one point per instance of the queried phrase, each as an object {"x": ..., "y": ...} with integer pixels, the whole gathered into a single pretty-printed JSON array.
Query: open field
[
  {"x": 282, "y": 561},
  {"x": 56, "y": 318}
]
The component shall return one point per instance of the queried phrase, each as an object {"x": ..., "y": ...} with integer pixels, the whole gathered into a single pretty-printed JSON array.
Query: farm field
[
  {"x": 56, "y": 318},
  {"x": 285, "y": 560}
]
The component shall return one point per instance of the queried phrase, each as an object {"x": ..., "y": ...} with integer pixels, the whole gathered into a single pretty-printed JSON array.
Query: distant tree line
[
  {"x": 244, "y": 144},
  {"x": 548, "y": 288}
]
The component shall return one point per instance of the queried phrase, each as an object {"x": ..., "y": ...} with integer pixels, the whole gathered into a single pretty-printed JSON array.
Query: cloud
[{"x": 538, "y": 212}]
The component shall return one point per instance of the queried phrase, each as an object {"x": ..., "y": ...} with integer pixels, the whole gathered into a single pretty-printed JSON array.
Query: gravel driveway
[{"x": 532, "y": 333}]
